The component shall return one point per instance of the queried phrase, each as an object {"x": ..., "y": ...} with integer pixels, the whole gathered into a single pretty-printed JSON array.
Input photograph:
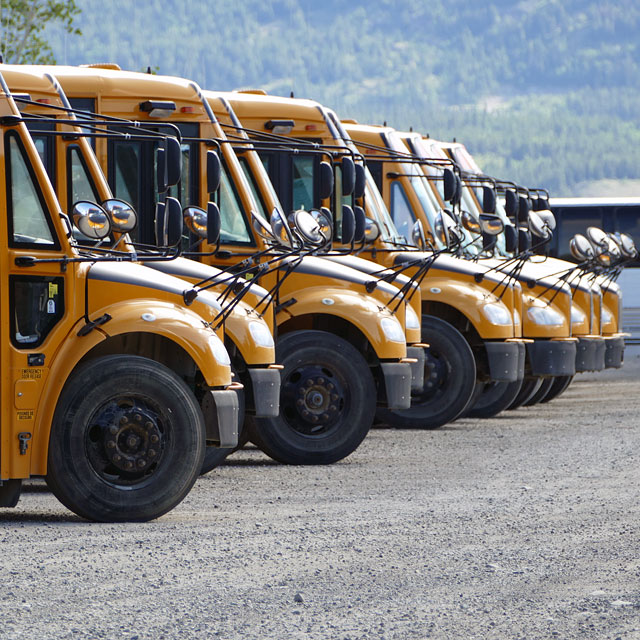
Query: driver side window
[
  {"x": 28, "y": 221},
  {"x": 401, "y": 210}
]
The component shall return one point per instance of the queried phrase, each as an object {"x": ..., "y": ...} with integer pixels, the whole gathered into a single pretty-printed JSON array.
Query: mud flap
[
  {"x": 504, "y": 361},
  {"x": 221, "y": 411},
  {"x": 614, "y": 353},
  {"x": 265, "y": 388},
  {"x": 417, "y": 368},
  {"x": 552, "y": 358},
  {"x": 590, "y": 355},
  {"x": 397, "y": 384}
]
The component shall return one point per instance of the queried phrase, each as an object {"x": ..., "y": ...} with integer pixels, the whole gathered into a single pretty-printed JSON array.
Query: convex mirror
[
  {"x": 580, "y": 247},
  {"x": 122, "y": 215},
  {"x": 91, "y": 219}
]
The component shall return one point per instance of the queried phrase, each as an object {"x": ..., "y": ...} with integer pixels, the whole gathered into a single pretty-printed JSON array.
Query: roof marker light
[
  {"x": 280, "y": 127},
  {"x": 158, "y": 108}
]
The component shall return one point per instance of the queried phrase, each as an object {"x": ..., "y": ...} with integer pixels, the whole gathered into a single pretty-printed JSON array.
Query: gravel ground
[{"x": 524, "y": 526}]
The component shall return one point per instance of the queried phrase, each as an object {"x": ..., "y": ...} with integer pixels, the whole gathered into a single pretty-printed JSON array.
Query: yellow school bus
[
  {"x": 466, "y": 344},
  {"x": 74, "y": 170},
  {"x": 343, "y": 349},
  {"x": 104, "y": 368},
  {"x": 594, "y": 324}
]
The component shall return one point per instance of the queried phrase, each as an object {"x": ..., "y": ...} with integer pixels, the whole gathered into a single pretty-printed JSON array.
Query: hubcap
[
  {"x": 436, "y": 374},
  {"x": 124, "y": 442},
  {"x": 313, "y": 399}
]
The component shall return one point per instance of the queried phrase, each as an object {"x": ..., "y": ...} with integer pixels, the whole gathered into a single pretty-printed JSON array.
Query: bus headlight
[
  {"x": 411, "y": 318},
  {"x": 219, "y": 351},
  {"x": 607, "y": 316},
  {"x": 392, "y": 329},
  {"x": 545, "y": 316},
  {"x": 577, "y": 315},
  {"x": 497, "y": 314},
  {"x": 261, "y": 334}
]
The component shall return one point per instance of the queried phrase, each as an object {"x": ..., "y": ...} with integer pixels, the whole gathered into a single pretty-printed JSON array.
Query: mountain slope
[{"x": 544, "y": 91}]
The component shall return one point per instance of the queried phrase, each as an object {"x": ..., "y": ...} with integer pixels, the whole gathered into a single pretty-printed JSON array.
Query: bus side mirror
[
  {"x": 581, "y": 248},
  {"x": 450, "y": 185},
  {"x": 348, "y": 224},
  {"x": 488, "y": 199},
  {"x": 361, "y": 182},
  {"x": 371, "y": 230},
  {"x": 214, "y": 223},
  {"x": 458, "y": 195},
  {"x": 214, "y": 172},
  {"x": 524, "y": 207},
  {"x": 168, "y": 222},
  {"x": 510, "y": 238},
  {"x": 492, "y": 225},
  {"x": 169, "y": 163},
  {"x": 511, "y": 203},
  {"x": 361, "y": 223},
  {"x": 91, "y": 219},
  {"x": 325, "y": 178},
  {"x": 524, "y": 239},
  {"x": 348, "y": 175},
  {"x": 417, "y": 235}
]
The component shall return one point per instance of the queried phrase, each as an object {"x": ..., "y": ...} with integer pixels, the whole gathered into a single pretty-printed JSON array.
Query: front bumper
[
  {"x": 397, "y": 384},
  {"x": 591, "y": 353},
  {"x": 221, "y": 409},
  {"x": 551, "y": 357},
  {"x": 417, "y": 368},
  {"x": 264, "y": 393},
  {"x": 506, "y": 360},
  {"x": 614, "y": 352}
]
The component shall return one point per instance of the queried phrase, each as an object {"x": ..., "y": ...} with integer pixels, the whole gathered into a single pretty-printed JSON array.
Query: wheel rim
[
  {"x": 125, "y": 441},
  {"x": 313, "y": 400},
  {"x": 436, "y": 376}
]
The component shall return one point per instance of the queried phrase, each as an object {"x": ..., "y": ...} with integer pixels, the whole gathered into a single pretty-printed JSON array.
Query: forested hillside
[{"x": 546, "y": 92}]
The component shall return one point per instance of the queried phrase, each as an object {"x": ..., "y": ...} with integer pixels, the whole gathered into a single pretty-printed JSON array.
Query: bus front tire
[{"x": 127, "y": 440}]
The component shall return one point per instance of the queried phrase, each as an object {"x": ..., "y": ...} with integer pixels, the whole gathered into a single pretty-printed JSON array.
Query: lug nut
[
  {"x": 330, "y": 386},
  {"x": 138, "y": 417},
  {"x": 332, "y": 407},
  {"x": 128, "y": 465},
  {"x": 151, "y": 453},
  {"x": 320, "y": 380},
  {"x": 309, "y": 382},
  {"x": 154, "y": 438},
  {"x": 305, "y": 413},
  {"x": 141, "y": 462},
  {"x": 113, "y": 429},
  {"x": 117, "y": 457},
  {"x": 148, "y": 425},
  {"x": 124, "y": 420},
  {"x": 300, "y": 402},
  {"x": 334, "y": 397},
  {"x": 111, "y": 444}
]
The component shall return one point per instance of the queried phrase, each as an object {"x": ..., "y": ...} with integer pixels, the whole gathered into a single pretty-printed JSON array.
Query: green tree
[{"x": 22, "y": 23}]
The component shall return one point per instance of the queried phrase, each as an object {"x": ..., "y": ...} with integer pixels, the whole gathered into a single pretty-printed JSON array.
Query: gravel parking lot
[{"x": 523, "y": 526}]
